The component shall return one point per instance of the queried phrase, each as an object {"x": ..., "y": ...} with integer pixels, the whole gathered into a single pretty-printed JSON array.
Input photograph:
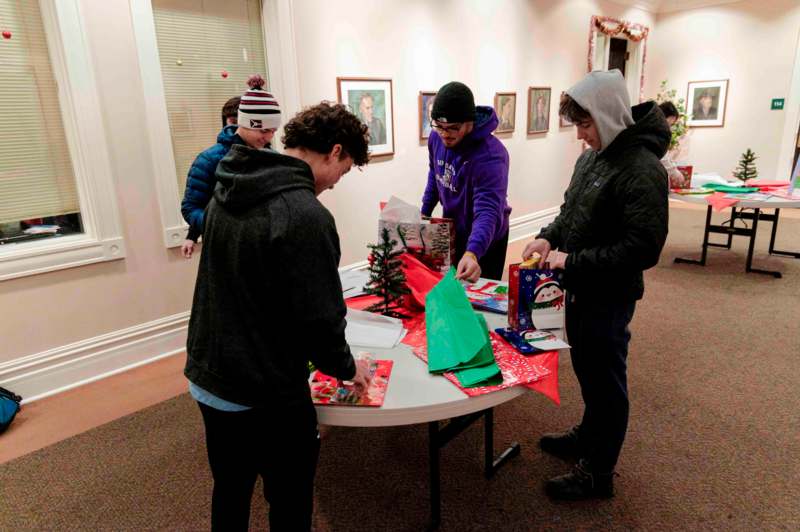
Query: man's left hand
[
  {"x": 557, "y": 260},
  {"x": 468, "y": 268}
]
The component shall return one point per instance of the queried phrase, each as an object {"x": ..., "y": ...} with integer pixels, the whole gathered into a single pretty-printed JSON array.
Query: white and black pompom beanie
[{"x": 258, "y": 109}]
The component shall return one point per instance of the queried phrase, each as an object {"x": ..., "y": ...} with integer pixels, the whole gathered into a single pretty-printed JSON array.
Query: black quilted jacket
[{"x": 613, "y": 222}]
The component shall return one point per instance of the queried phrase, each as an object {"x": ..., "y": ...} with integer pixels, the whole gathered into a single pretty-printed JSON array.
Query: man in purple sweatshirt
[{"x": 468, "y": 175}]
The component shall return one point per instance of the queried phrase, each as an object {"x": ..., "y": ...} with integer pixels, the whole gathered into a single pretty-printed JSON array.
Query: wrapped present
[{"x": 535, "y": 297}]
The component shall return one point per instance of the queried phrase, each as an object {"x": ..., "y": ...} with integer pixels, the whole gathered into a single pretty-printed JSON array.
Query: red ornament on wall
[
  {"x": 224, "y": 74},
  {"x": 6, "y": 34}
]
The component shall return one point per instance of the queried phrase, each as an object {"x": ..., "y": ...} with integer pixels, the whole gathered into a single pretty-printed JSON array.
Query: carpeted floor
[{"x": 713, "y": 443}]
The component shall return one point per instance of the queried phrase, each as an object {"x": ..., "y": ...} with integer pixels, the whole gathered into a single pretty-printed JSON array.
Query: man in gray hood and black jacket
[
  {"x": 267, "y": 300},
  {"x": 612, "y": 226}
]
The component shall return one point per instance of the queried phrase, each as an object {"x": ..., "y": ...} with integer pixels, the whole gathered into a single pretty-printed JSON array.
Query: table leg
[
  {"x": 492, "y": 464},
  {"x": 435, "y": 477},
  {"x": 702, "y": 261},
  {"x": 749, "y": 265},
  {"x": 438, "y": 437},
  {"x": 772, "y": 250}
]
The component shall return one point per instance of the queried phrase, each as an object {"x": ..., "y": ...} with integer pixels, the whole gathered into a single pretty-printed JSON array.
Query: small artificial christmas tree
[
  {"x": 747, "y": 167},
  {"x": 386, "y": 277}
]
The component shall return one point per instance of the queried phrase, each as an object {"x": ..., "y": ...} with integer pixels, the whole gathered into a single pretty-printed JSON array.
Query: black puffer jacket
[{"x": 613, "y": 222}]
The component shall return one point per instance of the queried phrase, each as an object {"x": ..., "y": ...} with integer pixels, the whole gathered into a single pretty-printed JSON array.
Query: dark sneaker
[
  {"x": 580, "y": 484},
  {"x": 564, "y": 445}
]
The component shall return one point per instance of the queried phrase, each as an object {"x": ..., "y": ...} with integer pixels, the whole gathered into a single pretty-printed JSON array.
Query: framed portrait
[
  {"x": 563, "y": 122},
  {"x": 425, "y": 107},
  {"x": 505, "y": 104},
  {"x": 538, "y": 109},
  {"x": 705, "y": 103},
  {"x": 370, "y": 99}
]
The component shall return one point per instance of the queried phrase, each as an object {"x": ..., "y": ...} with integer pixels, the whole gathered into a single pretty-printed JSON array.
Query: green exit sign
[{"x": 777, "y": 104}]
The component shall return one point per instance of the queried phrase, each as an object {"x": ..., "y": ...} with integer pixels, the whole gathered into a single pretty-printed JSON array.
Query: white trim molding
[
  {"x": 529, "y": 225},
  {"x": 102, "y": 240},
  {"x": 56, "y": 370},
  {"x": 144, "y": 29}
]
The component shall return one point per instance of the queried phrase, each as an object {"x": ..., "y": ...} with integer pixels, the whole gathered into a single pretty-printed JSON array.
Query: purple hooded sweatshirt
[{"x": 471, "y": 182}]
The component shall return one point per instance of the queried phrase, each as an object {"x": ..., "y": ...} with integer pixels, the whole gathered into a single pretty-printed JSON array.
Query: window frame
[
  {"x": 277, "y": 24},
  {"x": 102, "y": 238}
]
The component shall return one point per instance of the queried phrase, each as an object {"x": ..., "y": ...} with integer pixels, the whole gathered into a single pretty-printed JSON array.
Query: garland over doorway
[{"x": 612, "y": 27}]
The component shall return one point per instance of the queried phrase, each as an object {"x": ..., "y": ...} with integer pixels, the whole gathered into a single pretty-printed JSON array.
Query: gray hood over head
[{"x": 604, "y": 95}]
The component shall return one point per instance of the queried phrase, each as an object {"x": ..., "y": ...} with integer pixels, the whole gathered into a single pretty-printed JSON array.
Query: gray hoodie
[{"x": 604, "y": 95}]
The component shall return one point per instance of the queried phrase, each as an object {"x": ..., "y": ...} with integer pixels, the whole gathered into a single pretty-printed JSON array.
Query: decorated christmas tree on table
[
  {"x": 386, "y": 277},
  {"x": 747, "y": 166}
]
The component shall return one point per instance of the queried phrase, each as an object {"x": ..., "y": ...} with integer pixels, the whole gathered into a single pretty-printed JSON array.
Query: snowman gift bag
[{"x": 535, "y": 298}]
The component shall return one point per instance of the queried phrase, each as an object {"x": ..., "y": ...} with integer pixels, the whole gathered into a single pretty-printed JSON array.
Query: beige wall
[
  {"x": 497, "y": 46},
  {"x": 751, "y": 43}
]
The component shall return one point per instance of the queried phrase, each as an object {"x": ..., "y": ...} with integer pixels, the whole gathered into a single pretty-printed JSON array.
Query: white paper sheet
[
  {"x": 373, "y": 330},
  {"x": 353, "y": 282}
]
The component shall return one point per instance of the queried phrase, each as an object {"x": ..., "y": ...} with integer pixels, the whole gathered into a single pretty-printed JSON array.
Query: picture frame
[
  {"x": 538, "y": 109},
  {"x": 371, "y": 100},
  {"x": 425, "y": 102},
  {"x": 706, "y": 102},
  {"x": 505, "y": 105},
  {"x": 563, "y": 122}
]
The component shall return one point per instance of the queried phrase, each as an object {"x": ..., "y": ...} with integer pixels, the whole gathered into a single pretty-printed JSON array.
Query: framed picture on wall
[
  {"x": 705, "y": 103},
  {"x": 425, "y": 107},
  {"x": 505, "y": 104},
  {"x": 371, "y": 100},
  {"x": 562, "y": 122},
  {"x": 538, "y": 109}
]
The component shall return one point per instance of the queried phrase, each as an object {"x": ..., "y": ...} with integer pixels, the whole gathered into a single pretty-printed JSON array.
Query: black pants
[
  {"x": 599, "y": 335},
  {"x": 280, "y": 445},
  {"x": 493, "y": 261}
]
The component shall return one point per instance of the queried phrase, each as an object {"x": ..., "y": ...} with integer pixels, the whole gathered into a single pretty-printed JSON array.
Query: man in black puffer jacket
[{"x": 612, "y": 226}]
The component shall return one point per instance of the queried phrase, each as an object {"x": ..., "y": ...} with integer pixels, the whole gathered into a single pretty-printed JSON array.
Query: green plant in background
[
  {"x": 679, "y": 128},
  {"x": 747, "y": 166}
]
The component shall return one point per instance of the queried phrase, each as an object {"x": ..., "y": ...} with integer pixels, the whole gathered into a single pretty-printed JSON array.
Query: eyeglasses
[{"x": 449, "y": 128}]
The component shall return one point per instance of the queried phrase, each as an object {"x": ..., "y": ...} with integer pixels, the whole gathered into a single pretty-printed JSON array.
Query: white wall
[
  {"x": 497, "y": 46},
  {"x": 751, "y": 43}
]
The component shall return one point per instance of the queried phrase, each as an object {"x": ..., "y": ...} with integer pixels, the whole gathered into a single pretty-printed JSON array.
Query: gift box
[{"x": 535, "y": 298}]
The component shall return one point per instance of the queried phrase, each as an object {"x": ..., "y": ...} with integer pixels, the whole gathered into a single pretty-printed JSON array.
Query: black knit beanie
[{"x": 453, "y": 103}]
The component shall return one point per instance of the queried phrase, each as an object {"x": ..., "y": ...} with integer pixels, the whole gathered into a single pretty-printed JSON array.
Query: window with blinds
[
  {"x": 207, "y": 50},
  {"x": 37, "y": 182}
]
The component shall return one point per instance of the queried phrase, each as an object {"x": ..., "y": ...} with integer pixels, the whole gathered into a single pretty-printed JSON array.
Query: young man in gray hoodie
[{"x": 611, "y": 227}]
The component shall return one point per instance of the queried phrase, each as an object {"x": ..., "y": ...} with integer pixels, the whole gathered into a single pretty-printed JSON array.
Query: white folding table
[
  {"x": 730, "y": 229},
  {"x": 415, "y": 396}
]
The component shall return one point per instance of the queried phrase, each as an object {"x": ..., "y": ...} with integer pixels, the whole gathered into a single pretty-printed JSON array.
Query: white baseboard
[
  {"x": 56, "y": 370},
  {"x": 529, "y": 225},
  {"x": 60, "y": 369}
]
